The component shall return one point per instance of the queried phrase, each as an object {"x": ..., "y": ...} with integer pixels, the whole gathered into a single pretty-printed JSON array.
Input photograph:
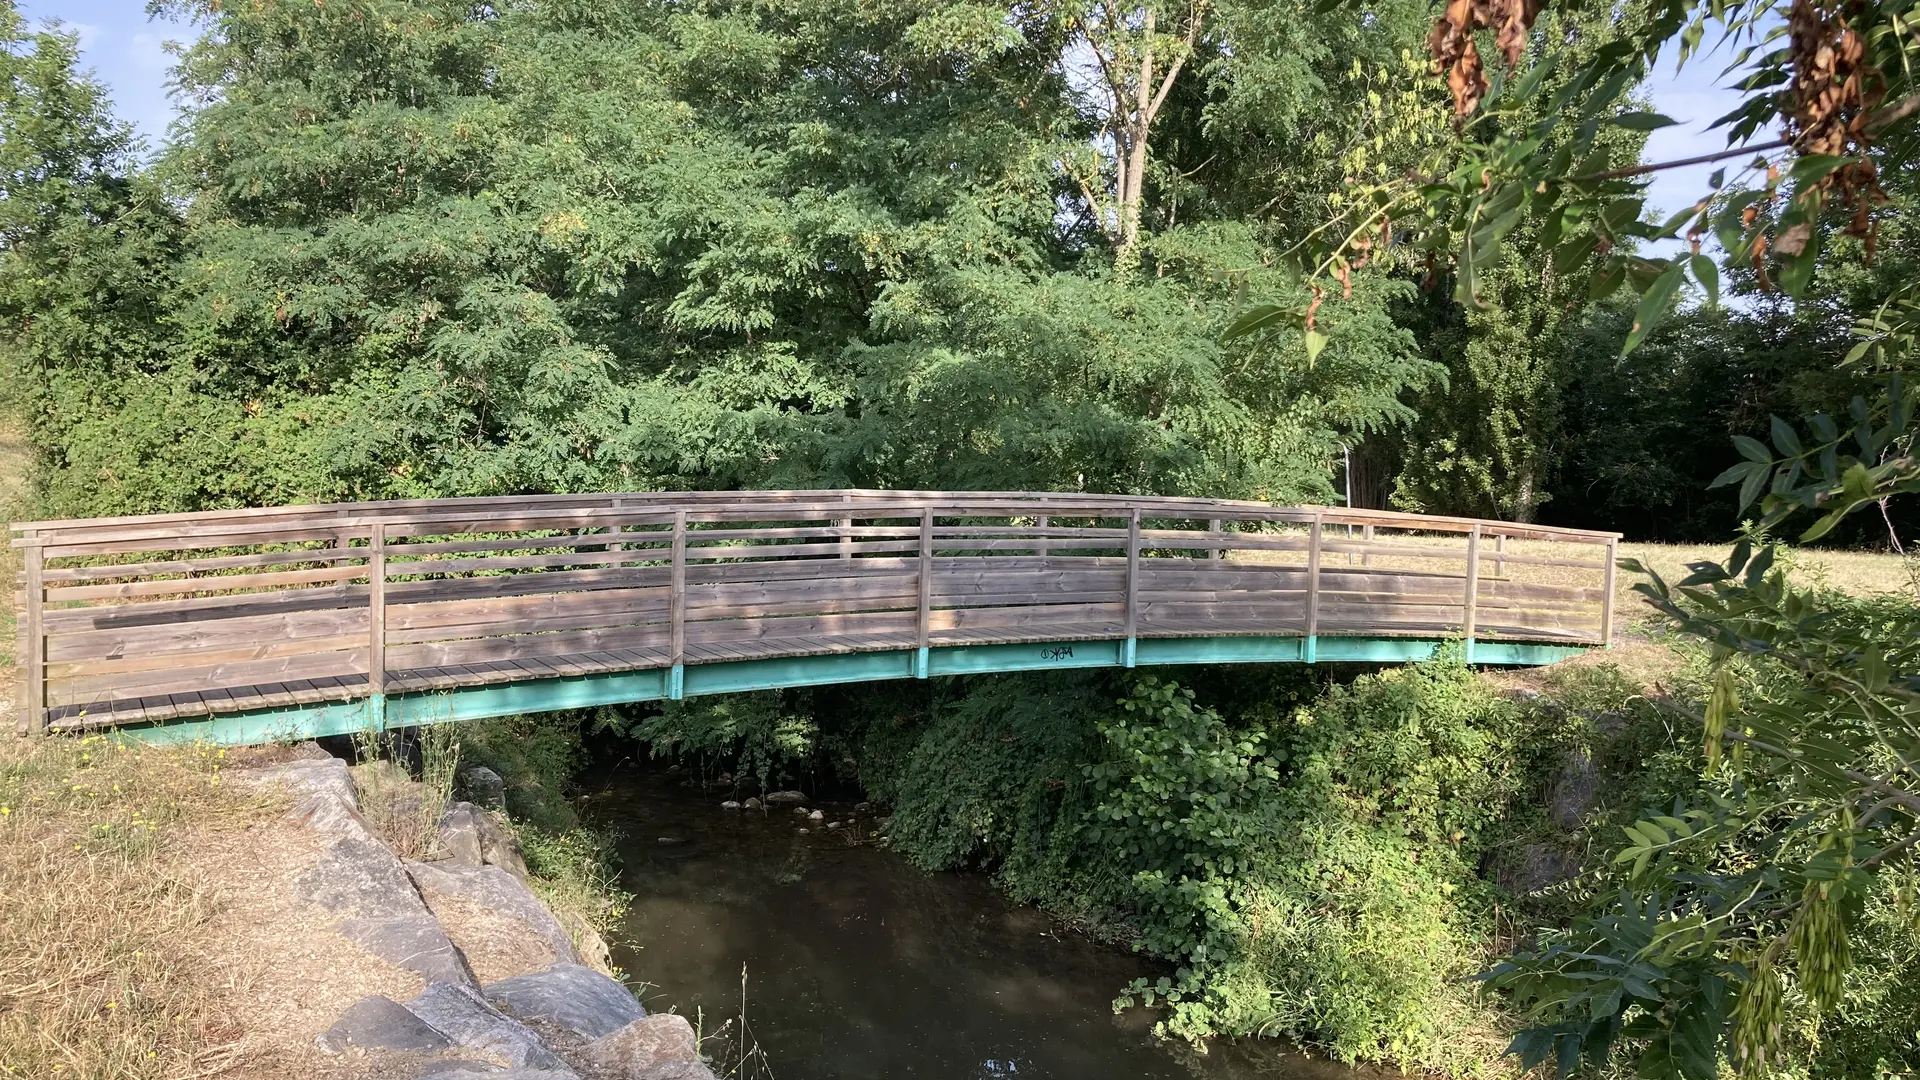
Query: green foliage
[
  {"x": 537, "y": 755},
  {"x": 409, "y": 248},
  {"x": 988, "y": 774},
  {"x": 575, "y": 867},
  {"x": 577, "y": 871},
  {"x": 1181, "y": 801},
  {"x": 1727, "y": 931},
  {"x": 1307, "y": 871},
  {"x": 762, "y": 735}
]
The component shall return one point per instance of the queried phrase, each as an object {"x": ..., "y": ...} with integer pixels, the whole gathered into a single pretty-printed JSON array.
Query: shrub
[{"x": 1307, "y": 871}]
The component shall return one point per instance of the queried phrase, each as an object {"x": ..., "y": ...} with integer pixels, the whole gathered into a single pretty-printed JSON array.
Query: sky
[{"x": 128, "y": 53}]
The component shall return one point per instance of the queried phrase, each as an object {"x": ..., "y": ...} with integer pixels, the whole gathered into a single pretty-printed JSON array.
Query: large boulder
[
  {"x": 498, "y": 891},
  {"x": 587, "y": 941},
  {"x": 776, "y": 798},
  {"x": 472, "y": 837},
  {"x": 361, "y": 879},
  {"x": 466, "y": 1018},
  {"x": 412, "y": 940},
  {"x": 381, "y": 1023},
  {"x": 1540, "y": 866},
  {"x": 485, "y": 788},
  {"x": 325, "y": 797},
  {"x": 1573, "y": 790},
  {"x": 658, "y": 1047},
  {"x": 574, "y": 997},
  {"x": 477, "y": 1071}
]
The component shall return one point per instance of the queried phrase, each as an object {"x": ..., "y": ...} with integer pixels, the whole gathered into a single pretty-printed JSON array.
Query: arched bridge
[{"x": 251, "y": 625}]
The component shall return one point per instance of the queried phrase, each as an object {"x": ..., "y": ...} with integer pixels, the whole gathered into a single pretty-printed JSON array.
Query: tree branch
[{"x": 1642, "y": 170}]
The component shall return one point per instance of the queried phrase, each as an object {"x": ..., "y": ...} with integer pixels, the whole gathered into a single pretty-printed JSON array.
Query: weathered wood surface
[{"x": 173, "y": 616}]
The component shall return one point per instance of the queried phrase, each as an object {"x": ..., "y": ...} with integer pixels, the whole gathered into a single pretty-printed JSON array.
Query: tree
[
  {"x": 1809, "y": 807},
  {"x": 416, "y": 248},
  {"x": 1138, "y": 63}
]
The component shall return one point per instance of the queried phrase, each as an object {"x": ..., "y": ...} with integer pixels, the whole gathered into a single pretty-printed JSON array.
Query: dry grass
[
  {"x": 150, "y": 928},
  {"x": 405, "y": 811},
  {"x": 1861, "y": 573},
  {"x": 106, "y": 969}
]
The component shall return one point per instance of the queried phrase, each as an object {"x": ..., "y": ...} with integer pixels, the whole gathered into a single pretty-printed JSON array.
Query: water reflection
[{"x": 859, "y": 966}]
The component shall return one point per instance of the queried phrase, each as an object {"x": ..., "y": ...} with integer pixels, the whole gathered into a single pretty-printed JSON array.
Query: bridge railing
[{"x": 161, "y": 617}]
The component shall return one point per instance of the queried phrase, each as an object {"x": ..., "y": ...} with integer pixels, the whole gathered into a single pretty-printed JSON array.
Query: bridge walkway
[{"x": 244, "y": 625}]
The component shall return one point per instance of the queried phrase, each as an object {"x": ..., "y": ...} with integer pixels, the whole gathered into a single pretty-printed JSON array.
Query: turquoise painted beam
[{"x": 658, "y": 684}]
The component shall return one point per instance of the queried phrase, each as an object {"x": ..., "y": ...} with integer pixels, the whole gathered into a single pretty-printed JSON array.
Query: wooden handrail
[
  {"x": 1471, "y": 601},
  {"x": 658, "y": 508}
]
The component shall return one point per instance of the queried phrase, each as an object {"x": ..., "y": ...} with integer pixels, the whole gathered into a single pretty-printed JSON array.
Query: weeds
[
  {"x": 406, "y": 812},
  {"x": 731, "y": 1049}
]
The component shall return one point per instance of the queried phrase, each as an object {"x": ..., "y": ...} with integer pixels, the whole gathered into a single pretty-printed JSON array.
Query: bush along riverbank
[{"x": 1327, "y": 859}]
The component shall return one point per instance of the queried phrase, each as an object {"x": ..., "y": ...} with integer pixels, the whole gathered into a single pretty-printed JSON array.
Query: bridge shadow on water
[{"x": 861, "y": 967}]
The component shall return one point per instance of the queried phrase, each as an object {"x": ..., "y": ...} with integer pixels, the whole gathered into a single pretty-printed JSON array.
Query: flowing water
[{"x": 859, "y": 967}]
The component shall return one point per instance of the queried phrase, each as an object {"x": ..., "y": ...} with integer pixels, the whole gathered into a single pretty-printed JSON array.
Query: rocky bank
[{"x": 508, "y": 993}]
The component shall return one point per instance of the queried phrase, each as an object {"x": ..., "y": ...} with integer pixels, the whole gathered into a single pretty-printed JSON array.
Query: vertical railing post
[
  {"x": 922, "y": 633},
  {"x": 1366, "y": 537},
  {"x": 377, "y": 627},
  {"x": 1472, "y": 599},
  {"x": 1040, "y": 546},
  {"x": 1216, "y": 527},
  {"x": 1606, "y": 599},
  {"x": 677, "y": 611},
  {"x": 1500, "y": 557},
  {"x": 33, "y": 718},
  {"x": 1128, "y": 650},
  {"x": 1312, "y": 648},
  {"x": 617, "y": 528},
  {"x": 845, "y": 524}
]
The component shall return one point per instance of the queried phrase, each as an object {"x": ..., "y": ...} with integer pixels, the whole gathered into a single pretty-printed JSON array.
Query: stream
[{"x": 858, "y": 966}]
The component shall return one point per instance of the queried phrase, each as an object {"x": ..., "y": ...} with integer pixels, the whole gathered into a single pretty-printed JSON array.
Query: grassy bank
[{"x": 114, "y": 956}]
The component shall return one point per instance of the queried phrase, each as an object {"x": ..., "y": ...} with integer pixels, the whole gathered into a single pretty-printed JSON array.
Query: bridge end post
[
  {"x": 677, "y": 611},
  {"x": 1609, "y": 583},
  {"x": 33, "y": 628},
  {"x": 1469, "y": 615},
  {"x": 1309, "y": 648},
  {"x": 375, "y": 713},
  {"x": 1131, "y": 598}
]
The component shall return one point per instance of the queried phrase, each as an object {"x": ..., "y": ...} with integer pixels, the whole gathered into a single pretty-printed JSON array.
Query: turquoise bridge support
[{"x": 387, "y": 711}]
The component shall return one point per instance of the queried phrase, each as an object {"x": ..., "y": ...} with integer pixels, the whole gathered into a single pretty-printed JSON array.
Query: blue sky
[{"x": 128, "y": 52}]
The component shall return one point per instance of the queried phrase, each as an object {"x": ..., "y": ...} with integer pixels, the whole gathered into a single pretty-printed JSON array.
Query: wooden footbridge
[{"x": 251, "y": 625}]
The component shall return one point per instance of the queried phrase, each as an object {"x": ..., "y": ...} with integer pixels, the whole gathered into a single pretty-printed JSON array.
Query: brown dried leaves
[
  {"x": 1455, "y": 55},
  {"x": 1835, "y": 88}
]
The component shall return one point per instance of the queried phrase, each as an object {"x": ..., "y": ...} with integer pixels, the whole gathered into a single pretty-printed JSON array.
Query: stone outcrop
[
  {"x": 577, "y": 998},
  {"x": 658, "y": 1047},
  {"x": 467, "y": 1019},
  {"x": 360, "y": 879},
  {"x": 473, "y": 838},
  {"x": 484, "y": 788},
  {"x": 1573, "y": 790},
  {"x": 381, "y": 1023},
  {"x": 499, "y": 891},
  {"x": 454, "y": 1029}
]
